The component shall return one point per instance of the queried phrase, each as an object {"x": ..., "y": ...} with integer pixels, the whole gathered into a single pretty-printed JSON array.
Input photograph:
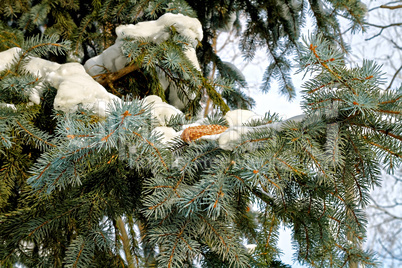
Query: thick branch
[
  {"x": 107, "y": 79},
  {"x": 391, "y": 7},
  {"x": 126, "y": 242},
  {"x": 386, "y": 5}
]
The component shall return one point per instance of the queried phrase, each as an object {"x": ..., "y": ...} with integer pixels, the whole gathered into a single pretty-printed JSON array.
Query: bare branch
[
  {"x": 389, "y": 252},
  {"x": 379, "y": 207},
  {"x": 393, "y": 78},
  {"x": 395, "y": 44},
  {"x": 390, "y": 3},
  {"x": 391, "y": 7},
  {"x": 382, "y": 28}
]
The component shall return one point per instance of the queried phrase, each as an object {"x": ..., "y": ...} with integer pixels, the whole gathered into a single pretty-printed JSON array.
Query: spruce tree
[{"x": 79, "y": 188}]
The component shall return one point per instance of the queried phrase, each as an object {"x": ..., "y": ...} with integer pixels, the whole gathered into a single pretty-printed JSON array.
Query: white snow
[
  {"x": 156, "y": 30},
  {"x": 240, "y": 117},
  {"x": 227, "y": 140},
  {"x": 152, "y": 99},
  {"x": 160, "y": 110},
  {"x": 230, "y": 137},
  {"x": 168, "y": 133},
  {"x": 192, "y": 56},
  {"x": 39, "y": 68},
  {"x": 112, "y": 59},
  {"x": 35, "y": 66},
  {"x": 279, "y": 125},
  {"x": 251, "y": 248},
  {"x": 7, "y": 57},
  {"x": 11, "y": 106},
  {"x": 75, "y": 86},
  {"x": 164, "y": 111}
]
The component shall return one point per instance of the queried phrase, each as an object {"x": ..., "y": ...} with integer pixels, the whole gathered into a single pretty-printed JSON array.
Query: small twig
[
  {"x": 380, "y": 208},
  {"x": 390, "y": 3},
  {"x": 393, "y": 78},
  {"x": 396, "y": 204},
  {"x": 395, "y": 44},
  {"x": 389, "y": 252},
  {"x": 382, "y": 28}
]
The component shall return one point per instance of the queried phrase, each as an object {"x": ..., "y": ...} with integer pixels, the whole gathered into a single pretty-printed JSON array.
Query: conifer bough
[{"x": 70, "y": 182}]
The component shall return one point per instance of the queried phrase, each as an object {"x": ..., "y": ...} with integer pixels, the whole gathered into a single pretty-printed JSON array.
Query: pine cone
[{"x": 196, "y": 132}]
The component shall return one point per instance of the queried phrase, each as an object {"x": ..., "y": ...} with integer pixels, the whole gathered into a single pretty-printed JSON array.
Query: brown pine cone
[{"x": 196, "y": 132}]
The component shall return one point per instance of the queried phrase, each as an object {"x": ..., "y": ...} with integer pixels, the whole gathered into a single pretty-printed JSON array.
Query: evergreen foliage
[{"x": 68, "y": 180}]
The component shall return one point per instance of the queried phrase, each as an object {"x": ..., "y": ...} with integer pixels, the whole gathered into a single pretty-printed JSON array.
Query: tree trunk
[{"x": 126, "y": 242}]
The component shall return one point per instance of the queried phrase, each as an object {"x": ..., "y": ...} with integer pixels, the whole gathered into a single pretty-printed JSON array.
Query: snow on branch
[
  {"x": 112, "y": 59},
  {"x": 76, "y": 86}
]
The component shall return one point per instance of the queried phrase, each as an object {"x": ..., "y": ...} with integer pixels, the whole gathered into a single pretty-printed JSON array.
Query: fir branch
[
  {"x": 383, "y": 148},
  {"x": 82, "y": 30},
  {"x": 36, "y": 137},
  {"x": 41, "y": 45},
  {"x": 46, "y": 222},
  {"x": 216, "y": 98},
  {"x": 79, "y": 253},
  {"x": 377, "y": 129},
  {"x": 178, "y": 236},
  {"x": 153, "y": 146},
  {"x": 323, "y": 63}
]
